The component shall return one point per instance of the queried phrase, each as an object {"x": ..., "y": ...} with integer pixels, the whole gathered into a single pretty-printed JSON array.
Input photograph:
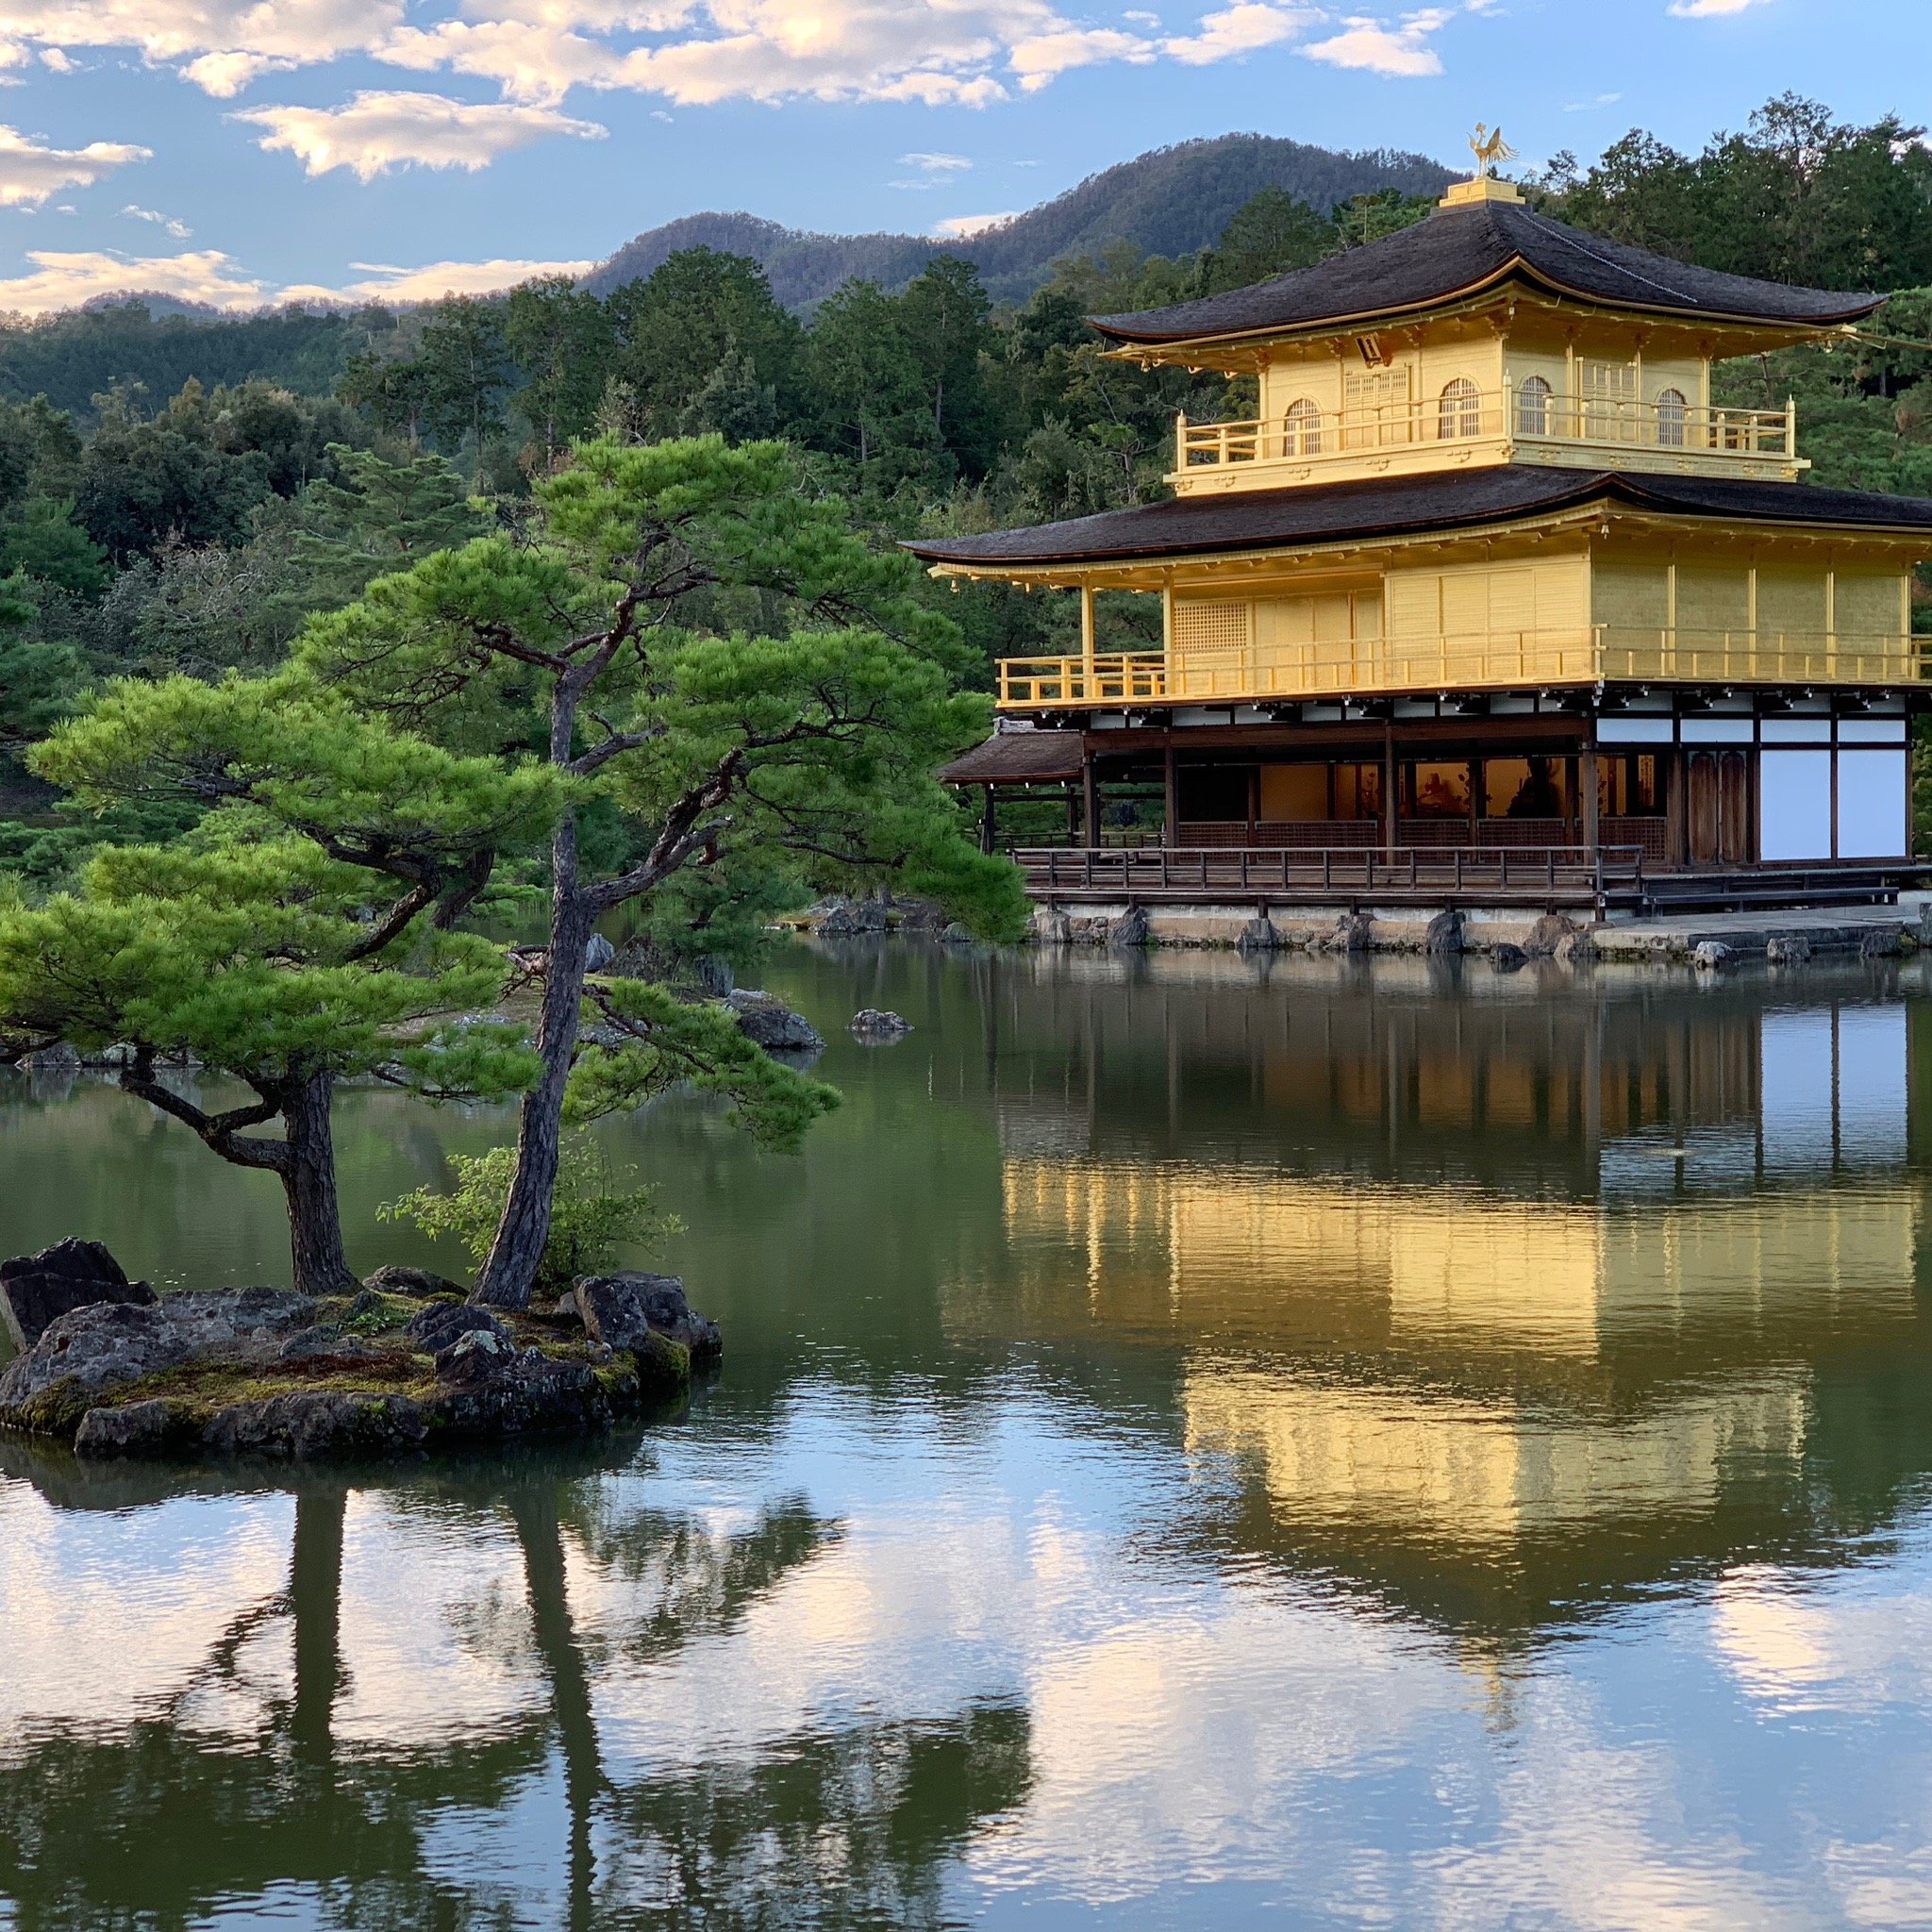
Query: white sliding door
[
  {"x": 1870, "y": 804},
  {"x": 1794, "y": 788}
]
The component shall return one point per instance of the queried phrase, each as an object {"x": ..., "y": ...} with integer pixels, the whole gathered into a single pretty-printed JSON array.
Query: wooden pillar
[
  {"x": 1911, "y": 844},
  {"x": 1677, "y": 805},
  {"x": 1834, "y": 785},
  {"x": 1090, "y": 800},
  {"x": 1171, "y": 783},
  {"x": 1587, "y": 786},
  {"x": 989, "y": 825},
  {"x": 1253, "y": 802},
  {"x": 1390, "y": 802},
  {"x": 1087, "y": 641},
  {"x": 1073, "y": 815}
]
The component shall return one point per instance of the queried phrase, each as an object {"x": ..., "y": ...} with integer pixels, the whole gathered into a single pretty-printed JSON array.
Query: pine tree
[
  {"x": 304, "y": 932},
  {"x": 617, "y": 634}
]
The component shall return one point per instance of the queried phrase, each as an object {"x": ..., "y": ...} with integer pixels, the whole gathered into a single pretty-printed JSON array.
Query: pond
[{"x": 1200, "y": 1443}]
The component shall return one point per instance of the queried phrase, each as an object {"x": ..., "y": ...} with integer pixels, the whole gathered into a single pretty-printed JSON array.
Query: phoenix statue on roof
[{"x": 1489, "y": 149}]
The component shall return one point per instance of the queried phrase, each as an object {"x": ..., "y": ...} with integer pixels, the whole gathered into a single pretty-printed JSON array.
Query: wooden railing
[
  {"x": 1532, "y": 875},
  {"x": 1341, "y": 435},
  {"x": 1497, "y": 660}
]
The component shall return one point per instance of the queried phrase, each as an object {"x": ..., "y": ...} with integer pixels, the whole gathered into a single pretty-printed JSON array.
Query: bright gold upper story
[
  {"x": 1487, "y": 456},
  {"x": 1581, "y": 600},
  {"x": 1509, "y": 377}
]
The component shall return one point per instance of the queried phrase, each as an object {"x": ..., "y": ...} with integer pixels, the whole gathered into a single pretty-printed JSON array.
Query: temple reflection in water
[{"x": 1498, "y": 1296}]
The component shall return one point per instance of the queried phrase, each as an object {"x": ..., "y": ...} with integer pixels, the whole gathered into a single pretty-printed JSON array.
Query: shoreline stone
[
  {"x": 37, "y": 1290},
  {"x": 768, "y": 1022},
  {"x": 619, "y": 1312},
  {"x": 420, "y": 1282}
]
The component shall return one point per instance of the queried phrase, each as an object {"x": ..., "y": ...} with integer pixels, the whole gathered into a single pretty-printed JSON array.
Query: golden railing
[
  {"x": 1111, "y": 677},
  {"x": 1338, "y": 435},
  {"x": 1753, "y": 658},
  {"x": 1491, "y": 661}
]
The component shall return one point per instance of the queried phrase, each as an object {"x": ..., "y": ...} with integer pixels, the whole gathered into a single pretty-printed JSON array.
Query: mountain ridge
[{"x": 1168, "y": 201}]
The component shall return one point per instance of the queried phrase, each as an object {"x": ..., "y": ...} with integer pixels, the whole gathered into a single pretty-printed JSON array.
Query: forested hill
[
  {"x": 83, "y": 352},
  {"x": 1169, "y": 201}
]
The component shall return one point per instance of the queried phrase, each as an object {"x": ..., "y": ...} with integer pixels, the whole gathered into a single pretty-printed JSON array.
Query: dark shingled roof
[
  {"x": 1457, "y": 250},
  {"x": 1018, "y": 757},
  {"x": 1337, "y": 512}
]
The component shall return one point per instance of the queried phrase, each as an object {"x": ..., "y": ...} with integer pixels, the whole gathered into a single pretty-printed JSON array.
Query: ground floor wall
[{"x": 1678, "y": 779}]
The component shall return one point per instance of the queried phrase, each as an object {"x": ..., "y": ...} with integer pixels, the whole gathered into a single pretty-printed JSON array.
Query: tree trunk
[
  {"x": 315, "y": 1594},
  {"x": 539, "y": 1531},
  {"x": 308, "y": 1177},
  {"x": 509, "y": 1271}
]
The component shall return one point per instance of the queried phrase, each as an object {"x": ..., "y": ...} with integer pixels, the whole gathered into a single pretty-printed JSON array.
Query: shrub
[{"x": 596, "y": 1215}]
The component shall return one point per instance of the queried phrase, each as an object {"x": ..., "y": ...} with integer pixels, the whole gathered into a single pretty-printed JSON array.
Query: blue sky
[{"x": 242, "y": 151}]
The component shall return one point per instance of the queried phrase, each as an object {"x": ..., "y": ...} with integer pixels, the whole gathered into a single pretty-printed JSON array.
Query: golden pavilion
[{"x": 1492, "y": 602}]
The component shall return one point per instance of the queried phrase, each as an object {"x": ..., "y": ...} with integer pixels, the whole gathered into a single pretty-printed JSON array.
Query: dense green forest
[{"x": 179, "y": 494}]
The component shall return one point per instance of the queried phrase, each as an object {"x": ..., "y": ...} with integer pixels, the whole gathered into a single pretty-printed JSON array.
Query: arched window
[
  {"x": 1671, "y": 412},
  {"x": 1461, "y": 411},
  {"x": 1533, "y": 407},
  {"x": 1302, "y": 429}
]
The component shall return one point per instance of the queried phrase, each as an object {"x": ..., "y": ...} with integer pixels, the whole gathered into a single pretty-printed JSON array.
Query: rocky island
[{"x": 403, "y": 1365}]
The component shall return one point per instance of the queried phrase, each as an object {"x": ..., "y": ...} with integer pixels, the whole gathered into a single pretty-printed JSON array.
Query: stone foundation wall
[
  {"x": 1502, "y": 932},
  {"x": 1317, "y": 928}
]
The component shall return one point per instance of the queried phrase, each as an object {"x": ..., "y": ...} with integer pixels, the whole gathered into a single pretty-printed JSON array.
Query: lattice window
[
  {"x": 1210, "y": 630},
  {"x": 1460, "y": 411},
  {"x": 1302, "y": 429},
  {"x": 1374, "y": 406},
  {"x": 1533, "y": 407},
  {"x": 1610, "y": 398}
]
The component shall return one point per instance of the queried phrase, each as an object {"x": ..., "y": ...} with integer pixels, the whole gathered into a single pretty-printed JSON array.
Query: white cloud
[
  {"x": 225, "y": 74},
  {"x": 378, "y": 131},
  {"x": 957, "y": 228},
  {"x": 936, "y": 164},
  {"x": 382, "y": 283},
  {"x": 62, "y": 280},
  {"x": 30, "y": 171},
  {"x": 1401, "y": 51},
  {"x": 179, "y": 231},
  {"x": 961, "y": 52},
  {"x": 58, "y": 62},
  {"x": 529, "y": 59},
  {"x": 1240, "y": 29},
  {"x": 246, "y": 33},
  {"x": 1585, "y": 107},
  {"x": 1043, "y": 58},
  {"x": 65, "y": 281},
  {"x": 968, "y": 53},
  {"x": 1704, "y": 10}
]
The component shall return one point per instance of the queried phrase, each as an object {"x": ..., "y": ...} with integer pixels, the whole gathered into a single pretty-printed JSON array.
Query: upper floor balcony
[
  {"x": 1464, "y": 425},
  {"x": 1493, "y": 661}
]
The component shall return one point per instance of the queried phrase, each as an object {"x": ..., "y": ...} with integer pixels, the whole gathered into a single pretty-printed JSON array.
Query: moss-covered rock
[{"x": 351, "y": 1376}]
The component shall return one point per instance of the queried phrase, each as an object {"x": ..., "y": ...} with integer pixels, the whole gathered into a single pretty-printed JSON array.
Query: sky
[{"x": 243, "y": 152}]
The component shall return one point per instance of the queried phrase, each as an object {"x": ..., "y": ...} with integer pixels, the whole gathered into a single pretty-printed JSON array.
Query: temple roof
[
  {"x": 1018, "y": 757},
  {"x": 1337, "y": 512},
  {"x": 1457, "y": 252}
]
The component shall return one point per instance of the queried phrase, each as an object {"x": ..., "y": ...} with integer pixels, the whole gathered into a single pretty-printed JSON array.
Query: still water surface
[{"x": 1200, "y": 1445}]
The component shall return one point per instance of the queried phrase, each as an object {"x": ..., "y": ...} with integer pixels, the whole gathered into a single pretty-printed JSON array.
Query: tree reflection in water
[{"x": 165, "y": 1820}]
